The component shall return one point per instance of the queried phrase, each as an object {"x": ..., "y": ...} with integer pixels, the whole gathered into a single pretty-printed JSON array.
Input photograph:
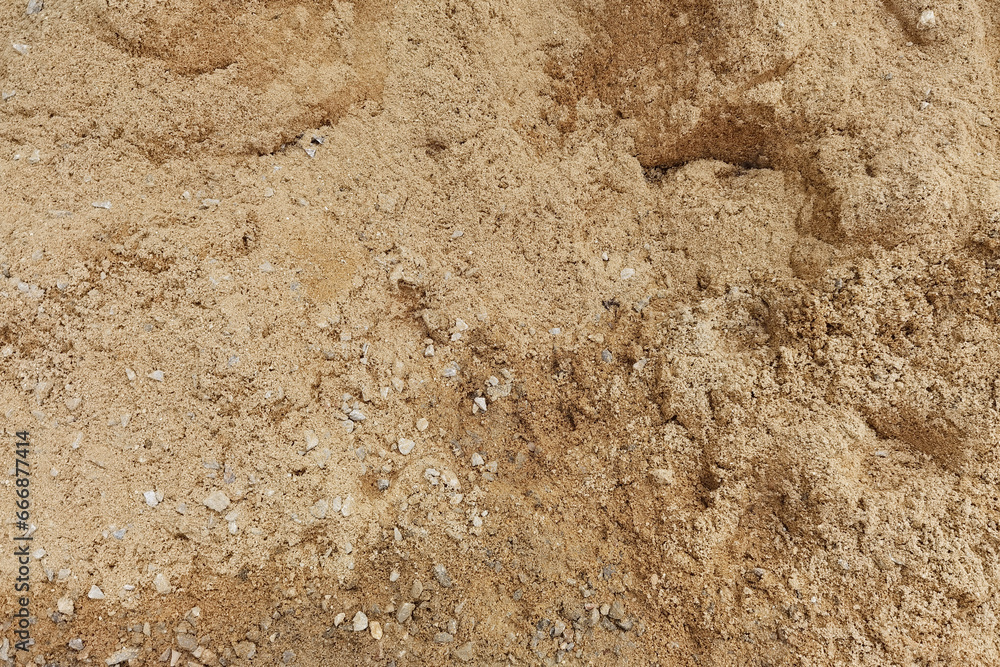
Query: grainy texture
[{"x": 685, "y": 317}]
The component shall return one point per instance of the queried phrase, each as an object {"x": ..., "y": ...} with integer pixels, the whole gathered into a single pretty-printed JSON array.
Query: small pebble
[
  {"x": 356, "y": 416},
  {"x": 480, "y": 403},
  {"x": 627, "y": 273},
  {"x": 101, "y": 204},
  {"x": 161, "y": 584},
  {"x": 441, "y": 574},
  {"x": 34, "y": 6},
  {"x": 95, "y": 593},
  {"x": 443, "y": 638},
  {"x": 319, "y": 509},
  {"x": 76, "y": 644},
  {"x": 383, "y": 484},
  {"x": 360, "y": 622},
  {"x": 156, "y": 376},
  {"x": 151, "y": 499},
  {"x": 404, "y": 612},
  {"x": 21, "y": 48},
  {"x": 217, "y": 500},
  {"x": 405, "y": 446},
  {"x": 606, "y": 356},
  {"x": 376, "y": 629},
  {"x": 422, "y": 424},
  {"x": 338, "y": 620},
  {"x": 477, "y": 460}
]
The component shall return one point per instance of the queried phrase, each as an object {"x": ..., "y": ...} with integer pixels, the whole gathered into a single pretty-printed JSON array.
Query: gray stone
[
  {"x": 187, "y": 642},
  {"x": 465, "y": 652},
  {"x": 360, "y": 622},
  {"x": 617, "y": 611},
  {"x": 245, "y": 649},
  {"x": 443, "y": 638},
  {"x": 442, "y": 576},
  {"x": 217, "y": 500},
  {"x": 124, "y": 655},
  {"x": 404, "y": 612}
]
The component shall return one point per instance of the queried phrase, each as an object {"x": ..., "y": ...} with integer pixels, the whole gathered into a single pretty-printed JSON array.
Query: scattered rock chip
[
  {"x": 443, "y": 638},
  {"x": 187, "y": 642},
  {"x": 360, "y": 622},
  {"x": 65, "y": 607},
  {"x": 161, "y": 583},
  {"x": 217, "y": 500},
  {"x": 441, "y": 574},
  {"x": 76, "y": 644},
  {"x": 404, "y": 612},
  {"x": 376, "y": 629},
  {"x": 319, "y": 509},
  {"x": 245, "y": 649},
  {"x": 124, "y": 655},
  {"x": 96, "y": 594},
  {"x": 156, "y": 376},
  {"x": 406, "y": 446},
  {"x": 34, "y": 6},
  {"x": 151, "y": 499},
  {"x": 465, "y": 652}
]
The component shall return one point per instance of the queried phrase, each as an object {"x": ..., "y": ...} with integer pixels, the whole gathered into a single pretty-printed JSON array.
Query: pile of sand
[{"x": 724, "y": 278}]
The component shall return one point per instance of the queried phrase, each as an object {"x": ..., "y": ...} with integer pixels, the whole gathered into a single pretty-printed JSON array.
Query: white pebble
[
  {"x": 477, "y": 460},
  {"x": 151, "y": 499},
  {"x": 360, "y": 622},
  {"x": 34, "y": 6},
  {"x": 95, "y": 593},
  {"x": 348, "y": 505},
  {"x": 156, "y": 376},
  {"x": 217, "y": 500},
  {"x": 627, "y": 273},
  {"x": 422, "y": 424},
  {"x": 130, "y": 374},
  {"x": 311, "y": 441},
  {"x": 480, "y": 403},
  {"x": 266, "y": 267},
  {"x": 161, "y": 583},
  {"x": 394, "y": 576},
  {"x": 101, "y": 204},
  {"x": 338, "y": 620},
  {"x": 405, "y": 446},
  {"x": 460, "y": 325},
  {"x": 21, "y": 48},
  {"x": 356, "y": 416},
  {"x": 927, "y": 20}
]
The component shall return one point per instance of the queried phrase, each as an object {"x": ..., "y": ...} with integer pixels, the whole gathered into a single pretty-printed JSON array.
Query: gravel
[
  {"x": 465, "y": 652},
  {"x": 161, "y": 583},
  {"x": 441, "y": 574},
  {"x": 95, "y": 593},
  {"x": 124, "y": 655},
  {"x": 405, "y": 446},
  {"x": 360, "y": 622},
  {"x": 404, "y": 612},
  {"x": 217, "y": 500}
]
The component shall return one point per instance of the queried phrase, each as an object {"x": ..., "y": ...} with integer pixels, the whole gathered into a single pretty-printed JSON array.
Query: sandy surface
[{"x": 723, "y": 276}]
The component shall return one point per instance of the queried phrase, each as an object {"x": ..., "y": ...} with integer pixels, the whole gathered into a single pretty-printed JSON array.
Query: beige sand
[{"x": 725, "y": 277}]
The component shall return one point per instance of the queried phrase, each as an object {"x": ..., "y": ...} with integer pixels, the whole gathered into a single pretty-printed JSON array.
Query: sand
[{"x": 724, "y": 277}]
